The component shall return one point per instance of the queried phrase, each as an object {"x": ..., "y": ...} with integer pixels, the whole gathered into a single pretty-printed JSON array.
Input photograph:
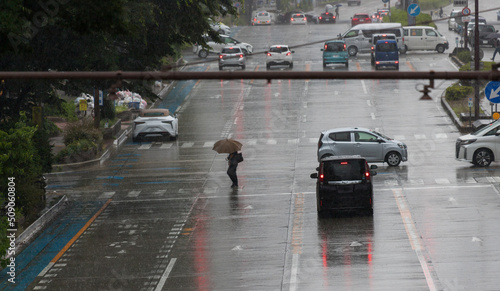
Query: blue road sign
[
  {"x": 385, "y": 1},
  {"x": 413, "y": 9},
  {"x": 492, "y": 91}
]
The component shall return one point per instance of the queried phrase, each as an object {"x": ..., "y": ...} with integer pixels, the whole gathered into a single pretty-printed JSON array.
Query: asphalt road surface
[{"x": 160, "y": 215}]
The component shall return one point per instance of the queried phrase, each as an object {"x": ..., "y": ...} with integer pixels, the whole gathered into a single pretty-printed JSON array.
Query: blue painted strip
[
  {"x": 128, "y": 160},
  {"x": 110, "y": 184},
  {"x": 110, "y": 178},
  {"x": 60, "y": 186},
  {"x": 177, "y": 95},
  {"x": 128, "y": 155},
  {"x": 166, "y": 169},
  {"x": 37, "y": 255}
]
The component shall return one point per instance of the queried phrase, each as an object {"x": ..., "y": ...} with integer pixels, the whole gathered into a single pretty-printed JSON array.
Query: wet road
[{"x": 161, "y": 215}]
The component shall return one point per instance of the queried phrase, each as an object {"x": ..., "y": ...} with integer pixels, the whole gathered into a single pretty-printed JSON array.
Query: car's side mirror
[
  {"x": 317, "y": 169},
  {"x": 293, "y": 52},
  {"x": 373, "y": 167},
  {"x": 314, "y": 175},
  {"x": 322, "y": 50},
  {"x": 497, "y": 133},
  {"x": 373, "y": 173},
  {"x": 379, "y": 140}
]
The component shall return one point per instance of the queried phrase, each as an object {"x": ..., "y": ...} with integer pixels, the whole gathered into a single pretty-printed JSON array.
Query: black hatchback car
[
  {"x": 344, "y": 183},
  {"x": 327, "y": 17}
]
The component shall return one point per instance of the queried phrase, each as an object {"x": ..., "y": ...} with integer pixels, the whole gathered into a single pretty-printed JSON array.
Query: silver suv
[
  {"x": 232, "y": 56},
  {"x": 371, "y": 145}
]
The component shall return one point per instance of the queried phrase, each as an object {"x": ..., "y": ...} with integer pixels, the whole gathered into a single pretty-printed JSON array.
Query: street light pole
[{"x": 476, "y": 59}]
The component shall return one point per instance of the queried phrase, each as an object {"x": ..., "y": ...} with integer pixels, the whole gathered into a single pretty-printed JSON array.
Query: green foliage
[
  {"x": 121, "y": 108},
  {"x": 108, "y": 109},
  {"x": 305, "y": 5},
  {"x": 82, "y": 141},
  {"x": 401, "y": 16},
  {"x": 457, "y": 92},
  {"x": 4, "y": 240},
  {"x": 20, "y": 159},
  {"x": 432, "y": 4},
  {"x": 465, "y": 57},
  {"x": 82, "y": 130}
]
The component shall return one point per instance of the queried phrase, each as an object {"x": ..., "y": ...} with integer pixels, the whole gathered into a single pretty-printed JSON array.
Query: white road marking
[
  {"x": 166, "y": 146},
  {"x": 364, "y": 86},
  {"x": 208, "y": 144},
  {"x": 145, "y": 146},
  {"x": 295, "y": 268},
  {"x": 106, "y": 195},
  {"x": 164, "y": 277},
  {"x": 272, "y": 141},
  {"x": 133, "y": 194},
  {"x": 441, "y": 135},
  {"x": 187, "y": 145},
  {"x": 399, "y": 137},
  {"x": 419, "y": 136},
  {"x": 372, "y": 115},
  {"x": 46, "y": 269}
]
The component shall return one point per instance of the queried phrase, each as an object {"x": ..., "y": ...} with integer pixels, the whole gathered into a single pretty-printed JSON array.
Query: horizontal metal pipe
[{"x": 231, "y": 75}]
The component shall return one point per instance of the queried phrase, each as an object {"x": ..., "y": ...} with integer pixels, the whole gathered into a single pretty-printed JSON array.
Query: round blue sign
[
  {"x": 492, "y": 91},
  {"x": 385, "y": 1},
  {"x": 413, "y": 9}
]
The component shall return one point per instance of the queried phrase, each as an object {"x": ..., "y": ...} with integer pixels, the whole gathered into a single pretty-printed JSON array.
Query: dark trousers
[{"x": 231, "y": 172}]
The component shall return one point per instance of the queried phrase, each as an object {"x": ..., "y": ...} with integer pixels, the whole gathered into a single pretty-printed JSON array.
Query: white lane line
[
  {"x": 373, "y": 116},
  {"x": 166, "y": 146},
  {"x": 414, "y": 237},
  {"x": 295, "y": 268},
  {"x": 364, "y": 86},
  {"x": 46, "y": 269},
  {"x": 164, "y": 277},
  {"x": 106, "y": 195},
  {"x": 145, "y": 146}
]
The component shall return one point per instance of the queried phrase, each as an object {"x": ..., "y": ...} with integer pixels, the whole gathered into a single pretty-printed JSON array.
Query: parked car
[
  {"x": 371, "y": 145},
  {"x": 386, "y": 54},
  {"x": 327, "y": 17},
  {"x": 484, "y": 31},
  {"x": 480, "y": 147},
  {"x": 262, "y": 18},
  {"x": 352, "y": 2},
  {"x": 311, "y": 18},
  {"x": 335, "y": 52},
  {"x": 498, "y": 16},
  {"x": 298, "y": 18},
  {"x": 216, "y": 47},
  {"x": 155, "y": 123},
  {"x": 232, "y": 56},
  {"x": 344, "y": 183},
  {"x": 220, "y": 27},
  {"x": 452, "y": 20},
  {"x": 359, "y": 18},
  {"x": 279, "y": 55}
]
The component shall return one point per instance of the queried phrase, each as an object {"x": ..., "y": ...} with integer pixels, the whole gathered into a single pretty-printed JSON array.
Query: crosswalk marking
[
  {"x": 166, "y": 146},
  {"x": 208, "y": 144},
  {"x": 160, "y": 192},
  {"x": 187, "y": 145},
  {"x": 145, "y": 146},
  {"x": 133, "y": 194},
  {"x": 106, "y": 195}
]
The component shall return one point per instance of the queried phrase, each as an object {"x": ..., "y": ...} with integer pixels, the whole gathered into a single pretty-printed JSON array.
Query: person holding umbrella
[
  {"x": 231, "y": 147},
  {"x": 497, "y": 48}
]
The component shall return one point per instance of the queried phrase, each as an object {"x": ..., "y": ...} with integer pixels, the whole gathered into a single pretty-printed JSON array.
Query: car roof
[
  {"x": 335, "y": 40},
  {"x": 279, "y": 45},
  {"x": 367, "y": 14},
  {"x": 386, "y": 40},
  {"x": 340, "y": 129},
  {"x": 345, "y": 157}
]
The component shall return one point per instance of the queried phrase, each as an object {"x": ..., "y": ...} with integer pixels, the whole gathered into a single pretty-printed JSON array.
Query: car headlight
[
  {"x": 402, "y": 145},
  {"x": 467, "y": 142}
]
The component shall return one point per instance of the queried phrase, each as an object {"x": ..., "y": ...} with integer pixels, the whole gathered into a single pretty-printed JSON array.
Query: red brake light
[
  {"x": 320, "y": 17},
  {"x": 220, "y": 57},
  {"x": 326, "y": 46},
  {"x": 397, "y": 62},
  {"x": 269, "y": 54},
  {"x": 292, "y": 19},
  {"x": 278, "y": 46},
  {"x": 241, "y": 56},
  {"x": 288, "y": 53},
  {"x": 344, "y": 163},
  {"x": 321, "y": 176},
  {"x": 305, "y": 19},
  {"x": 345, "y": 46}
]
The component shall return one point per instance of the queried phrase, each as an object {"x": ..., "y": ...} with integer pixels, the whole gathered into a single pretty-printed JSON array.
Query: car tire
[
  {"x": 440, "y": 48},
  {"x": 326, "y": 156},
  {"x": 220, "y": 68},
  {"x": 321, "y": 211},
  {"x": 203, "y": 53},
  {"x": 393, "y": 159},
  {"x": 243, "y": 67},
  {"x": 268, "y": 66},
  {"x": 174, "y": 137},
  {"x": 482, "y": 158},
  {"x": 347, "y": 64},
  {"x": 397, "y": 67},
  {"x": 291, "y": 65},
  {"x": 352, "y": 50},
  {"x": 403, "y": 50},
  {"x": 324, "y": 65}
]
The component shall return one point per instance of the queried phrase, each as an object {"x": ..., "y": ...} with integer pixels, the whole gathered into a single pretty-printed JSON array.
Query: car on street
[
  {"x": 498, "y": 15},
  {"x": 232, "y": 56},
  {"x": 452, "y": 20},
  {"x": 353, "y": 2},
  {"x": 386, "y": 54},
  {"x": 480, "y": 147},
  {"x": 335, "y": 52},
  {"x": 311, "y": 18},
  {"x": 279, "y": 55},
  {"x": 344, "y": 183},
  {"x": 484, "y": 31},
  {"x": 216, "y": 47},
  {"x": 298, "y": 18},
  {"x": 359, "y": 18},
  {"x": 155, "y": 123},
  {"x": 220, "y": 27},
  {"x": 262, "y": 18},
  {"x": 327, "y": 17},
  {"x": 371, "y": 145}
]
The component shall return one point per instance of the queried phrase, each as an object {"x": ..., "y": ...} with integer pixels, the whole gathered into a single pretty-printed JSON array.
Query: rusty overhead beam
[{"x": 492, "y": 75}]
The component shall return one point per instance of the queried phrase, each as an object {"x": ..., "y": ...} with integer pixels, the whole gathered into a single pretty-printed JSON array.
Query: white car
[
  {"x": 480, "y": 147},
  {"x": 279, "y": 55},
  {"x": 262, "y": 18},
  {"x": 216, "y": 47},
  {"x": 298, "y": 18},
  {"x": 220, "y": 27},
  {"x": 232, "y": 56},
  {"x": 155, "y": 123}
]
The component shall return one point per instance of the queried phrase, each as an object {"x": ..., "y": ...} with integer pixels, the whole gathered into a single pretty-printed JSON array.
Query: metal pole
[{"x": 476, "y": 60}]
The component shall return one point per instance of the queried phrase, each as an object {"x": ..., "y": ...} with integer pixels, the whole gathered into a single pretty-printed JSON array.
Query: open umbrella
[
  {"x": 338, "y": 5},
  {"x": 227, "y": 146}
]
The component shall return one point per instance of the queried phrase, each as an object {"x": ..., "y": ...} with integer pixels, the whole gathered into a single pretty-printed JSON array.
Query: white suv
[
  {"x": 232, "y": 56},
  {"x": 480, "y": 147},
  {"x": 216, "y": 47}
]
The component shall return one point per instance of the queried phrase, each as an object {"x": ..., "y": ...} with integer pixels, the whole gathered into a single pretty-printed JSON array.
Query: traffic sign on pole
[
  {"x": 413, "y": 9},
  {"x": 466, "y": 11},
  {"x": 492, "y": 90},
  {"x": 385, "y": 1}
]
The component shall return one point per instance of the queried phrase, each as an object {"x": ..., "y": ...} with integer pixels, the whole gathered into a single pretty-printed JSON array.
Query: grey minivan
[{"x": 371, "y": 145}]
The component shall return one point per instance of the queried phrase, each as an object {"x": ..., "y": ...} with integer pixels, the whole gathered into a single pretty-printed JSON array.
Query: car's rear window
[
  {"x": 231, "y": 50},
  {"x": 278, "y": 49},
  {"x": 298, "y": 16},
  {"x": 263, "y": 14},
  {"x": 343, "y": 170},
  {"x": 362, "y": 16},
  {"x": 153, "y": 114},
  {"x": 335, "y": 47},
  {"x": 386, "y": 46}
]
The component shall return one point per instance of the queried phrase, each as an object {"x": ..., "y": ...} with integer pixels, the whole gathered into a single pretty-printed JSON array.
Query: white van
[
  {"x": 358, "y": 38},
  {"x": 424, "y": 38}
]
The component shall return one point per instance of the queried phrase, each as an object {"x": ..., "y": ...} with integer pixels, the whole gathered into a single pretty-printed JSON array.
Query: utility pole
[{"x": 476, "y": 59}]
